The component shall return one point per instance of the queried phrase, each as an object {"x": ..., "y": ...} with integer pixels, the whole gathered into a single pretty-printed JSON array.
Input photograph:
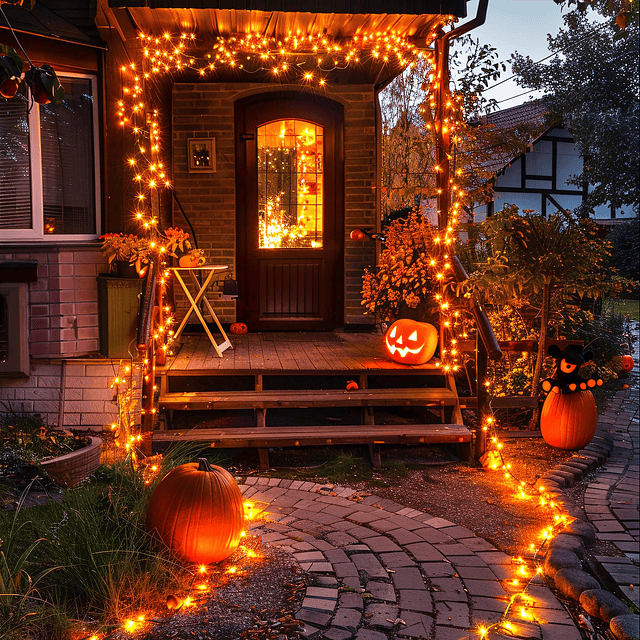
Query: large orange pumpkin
[
  {"x": 568, "y": 421},
  {"x": 411, "y": 342},
  {"x": 197, "y": 511}
]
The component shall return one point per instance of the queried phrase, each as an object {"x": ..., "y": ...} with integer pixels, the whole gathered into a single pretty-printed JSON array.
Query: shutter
[
  {"x": 68, "y": 180},
  {"x": 15, "y": 169}
]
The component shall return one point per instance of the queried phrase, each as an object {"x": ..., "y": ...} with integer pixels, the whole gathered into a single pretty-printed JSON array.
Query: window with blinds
[
  {"x": 15, "y": 170},
  {"x": 48, "y": 165}
]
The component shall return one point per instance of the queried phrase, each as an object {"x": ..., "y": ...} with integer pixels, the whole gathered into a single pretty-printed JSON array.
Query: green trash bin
[{"x": 118, "y": 304}]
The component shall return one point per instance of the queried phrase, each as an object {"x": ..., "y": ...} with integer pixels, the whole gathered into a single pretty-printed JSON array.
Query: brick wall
[
  {"x": 206, "y": 110},
  {"x": 63, "y": 303},
  {"x": 63, "y": 323}
]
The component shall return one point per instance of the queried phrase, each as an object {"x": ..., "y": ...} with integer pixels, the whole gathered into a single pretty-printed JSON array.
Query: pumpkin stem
[{"x": 204, "y": 465}]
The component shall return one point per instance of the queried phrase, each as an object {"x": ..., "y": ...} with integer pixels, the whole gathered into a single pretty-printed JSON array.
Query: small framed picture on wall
[{"x": 201, "y": 154}]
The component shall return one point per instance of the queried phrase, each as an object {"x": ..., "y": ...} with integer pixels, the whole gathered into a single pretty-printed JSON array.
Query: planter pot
[
  {"x": 125, "y": 270},
  {"x": 118, "y": 302},
  {"x": 71, "y": 468}
]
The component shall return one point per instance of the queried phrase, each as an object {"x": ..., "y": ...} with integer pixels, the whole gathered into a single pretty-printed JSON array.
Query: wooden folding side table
[{"x": 201, "y": 295}]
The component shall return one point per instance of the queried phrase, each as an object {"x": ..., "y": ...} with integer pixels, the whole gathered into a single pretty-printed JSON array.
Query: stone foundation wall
[
  {"x": 63, "y": 327},
  {"x": 88, "y": 397}
]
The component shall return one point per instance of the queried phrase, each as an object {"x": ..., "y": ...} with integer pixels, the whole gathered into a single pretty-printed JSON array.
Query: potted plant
[
  {"x": 138, "y": 251},
  {"x": 30, "y": 447},
  {"x": 123, "y": 252},
  {"x": 10, "y": 71}
]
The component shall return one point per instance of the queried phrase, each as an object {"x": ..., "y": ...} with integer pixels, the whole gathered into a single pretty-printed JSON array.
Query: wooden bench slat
[
  {"x": 428, "y": 369},
  {"x": 321, "y": 435},
  {"x": 308, "y": 398}
]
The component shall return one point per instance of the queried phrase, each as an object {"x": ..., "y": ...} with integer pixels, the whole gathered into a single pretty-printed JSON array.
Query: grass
[
  {"x": 344, "y": 465},
  {"x": 87, "y": 558}
]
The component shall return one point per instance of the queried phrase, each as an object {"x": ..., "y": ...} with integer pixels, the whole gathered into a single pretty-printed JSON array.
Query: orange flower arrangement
[{"x": 140, "y": 251}]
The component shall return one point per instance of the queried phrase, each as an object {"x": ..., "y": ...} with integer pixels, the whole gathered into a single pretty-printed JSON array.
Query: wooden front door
[{"x": 289, "y": 198}]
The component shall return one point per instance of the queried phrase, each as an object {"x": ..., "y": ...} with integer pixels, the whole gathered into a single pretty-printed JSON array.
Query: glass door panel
[{"x": 290, "y": 184}]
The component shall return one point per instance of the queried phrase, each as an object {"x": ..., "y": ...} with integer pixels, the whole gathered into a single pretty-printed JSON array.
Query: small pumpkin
[
  {"x": 627, "y": 363},
  {"x": 197, "y": 511},
  {"x": 569, "y": 420},
  {"x": 357, "y": 235},
  {"x": 411, "y": 342},
  {"x": 352, "y": 385},
  {"x": 238, "y": 328},
  {"x": 190, "y": 261}
]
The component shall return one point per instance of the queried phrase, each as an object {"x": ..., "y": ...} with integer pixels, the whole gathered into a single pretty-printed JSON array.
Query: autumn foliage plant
[
  {"x": 403, "y": 275},
  {"x": 535, "y": 273}
]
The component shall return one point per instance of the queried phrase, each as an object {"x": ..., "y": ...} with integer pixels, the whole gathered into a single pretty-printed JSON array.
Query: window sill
[{"x": 49, "y": 246}]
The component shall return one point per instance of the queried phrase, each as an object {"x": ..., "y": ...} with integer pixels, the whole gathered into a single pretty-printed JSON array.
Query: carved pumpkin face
[
  {"x": 238, "y": 328},
  {"x": 411, "y": 342},
  {"x": 627, "y": 363}
]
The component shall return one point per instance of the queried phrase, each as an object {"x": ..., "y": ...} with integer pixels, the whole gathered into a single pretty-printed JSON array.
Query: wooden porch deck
[
  {"x": 307, "y": 372},
  {"x": 290, "y": 351}
]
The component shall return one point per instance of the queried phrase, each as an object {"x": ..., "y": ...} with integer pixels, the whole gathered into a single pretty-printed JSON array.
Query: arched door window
[{"x": 290, "y": 184}]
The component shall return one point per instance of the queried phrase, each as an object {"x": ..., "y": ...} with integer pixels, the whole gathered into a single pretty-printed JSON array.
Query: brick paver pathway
[
  {"x": 379, "y": 570},
  {"x": 611, "y": 500}
]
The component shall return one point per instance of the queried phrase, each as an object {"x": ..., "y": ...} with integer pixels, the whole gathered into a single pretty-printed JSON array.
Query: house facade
[
  {"x": 539, "y": 179},
  {"x": 265, "y": 120},
  {"x": 52, "y": 206}
]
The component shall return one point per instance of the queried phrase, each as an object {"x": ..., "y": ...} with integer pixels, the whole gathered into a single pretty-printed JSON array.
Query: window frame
[{"x": 36, "y": 232}]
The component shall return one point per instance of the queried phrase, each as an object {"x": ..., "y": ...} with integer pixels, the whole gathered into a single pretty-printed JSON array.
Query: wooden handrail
[{"x": 482, "y": 321}]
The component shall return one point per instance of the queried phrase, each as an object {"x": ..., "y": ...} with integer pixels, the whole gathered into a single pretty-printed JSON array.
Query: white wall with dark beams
[{"x": 538, "y": 180}]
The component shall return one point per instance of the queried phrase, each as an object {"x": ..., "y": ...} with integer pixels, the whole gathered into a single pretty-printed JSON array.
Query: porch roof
[
  {"x": 456, "y": 8},
  {"x": 44, "y": 21},
  {"x": 338, "y": 19}
]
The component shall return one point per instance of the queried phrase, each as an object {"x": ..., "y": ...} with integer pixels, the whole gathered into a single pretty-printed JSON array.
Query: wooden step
[
  {"x": 240, "y": 437},
  {"x": 308, "y": 398}
]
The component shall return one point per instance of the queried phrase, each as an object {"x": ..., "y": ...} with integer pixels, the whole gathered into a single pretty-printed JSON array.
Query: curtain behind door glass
[
  {"x": 15, "y": 171},
  {"x": 68, "y": 180}
]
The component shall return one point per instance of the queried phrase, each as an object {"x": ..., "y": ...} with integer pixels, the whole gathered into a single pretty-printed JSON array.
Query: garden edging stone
[
  {"x": 602, "y": 604},
  {"x": 570, "y": 580},
  {"x": 625, "y": 627}
]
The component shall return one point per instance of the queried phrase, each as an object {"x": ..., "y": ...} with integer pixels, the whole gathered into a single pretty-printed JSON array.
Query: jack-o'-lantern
[
  {"x": 238, "y": 328},
  {"x": 197, "y": 511},
  {"x": 411, "y": 342},
  {"x": 627, "y": 363}
]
